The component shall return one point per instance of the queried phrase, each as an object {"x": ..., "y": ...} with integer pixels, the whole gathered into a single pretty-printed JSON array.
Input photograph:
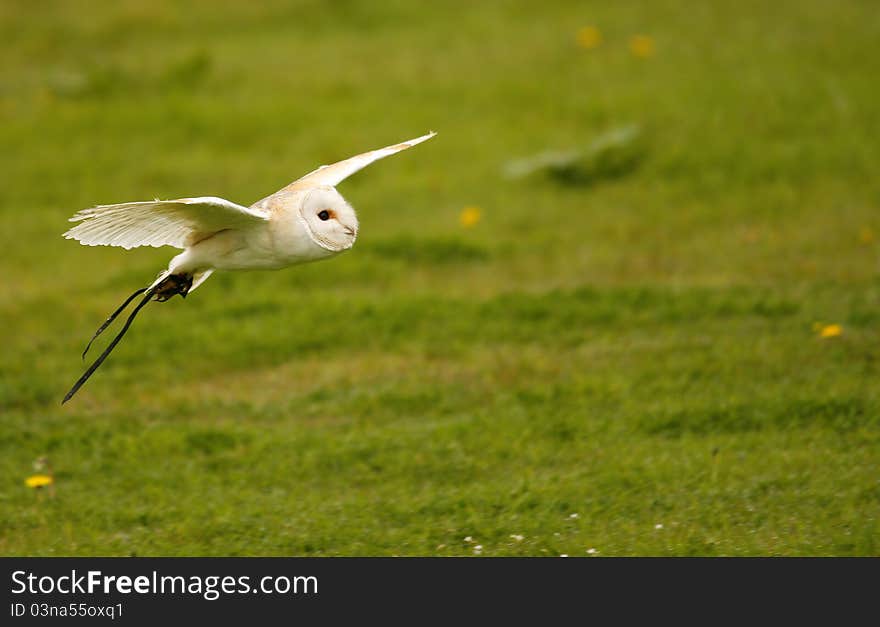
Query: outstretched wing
[
  {"x": 334, "y": 174},
  {"x": 177, "y": 223}
]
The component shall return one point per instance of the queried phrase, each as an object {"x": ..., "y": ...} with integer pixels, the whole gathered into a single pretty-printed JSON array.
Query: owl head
[{"x": 330, "y": 221}]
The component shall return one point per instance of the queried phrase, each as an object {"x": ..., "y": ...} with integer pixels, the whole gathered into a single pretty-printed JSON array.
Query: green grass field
[{"x": 630, "y": 362}]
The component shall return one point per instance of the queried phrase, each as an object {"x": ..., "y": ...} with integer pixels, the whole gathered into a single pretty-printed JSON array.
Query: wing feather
[
  {"x": 334, "y": 174},
  {"x": 177, "y": 223}
]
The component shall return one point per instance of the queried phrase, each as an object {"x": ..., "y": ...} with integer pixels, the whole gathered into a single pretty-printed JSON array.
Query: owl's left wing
[
  {"x": 177, "y": 223},
  {"x": 334, "y": 174}
]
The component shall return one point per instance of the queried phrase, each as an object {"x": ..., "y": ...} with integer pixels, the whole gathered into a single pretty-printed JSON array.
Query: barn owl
[{"x": 306, "y": 221}]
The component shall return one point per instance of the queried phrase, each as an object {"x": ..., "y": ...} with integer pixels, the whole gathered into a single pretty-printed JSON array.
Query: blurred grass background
[{"x": 628, "y": 362}]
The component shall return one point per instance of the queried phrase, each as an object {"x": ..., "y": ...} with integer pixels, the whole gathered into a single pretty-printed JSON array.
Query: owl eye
[{"x": 324, "y": 215}]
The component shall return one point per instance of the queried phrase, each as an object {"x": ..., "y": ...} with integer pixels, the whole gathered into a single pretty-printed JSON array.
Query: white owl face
[{"x": 330, "y": 221}]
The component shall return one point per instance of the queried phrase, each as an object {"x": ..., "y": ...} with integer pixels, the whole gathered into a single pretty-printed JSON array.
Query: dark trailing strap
[
  {"x": 112, "y": 318},
  {"x": 88, "y": 373}
]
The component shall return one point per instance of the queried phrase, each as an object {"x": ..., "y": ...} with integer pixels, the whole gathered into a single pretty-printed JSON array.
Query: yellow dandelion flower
[
  {"x": 470, "y": 216},
  {"x": 641, "y": 46},
  {"x": 830, "y": 330},
  {"x": 589, "y": 37},
  {"x": 866, "y": 235},
  {"x": 38, "y": 481}
]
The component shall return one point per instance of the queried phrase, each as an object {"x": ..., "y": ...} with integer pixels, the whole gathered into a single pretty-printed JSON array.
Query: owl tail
[{"x": 163, "y": 288}]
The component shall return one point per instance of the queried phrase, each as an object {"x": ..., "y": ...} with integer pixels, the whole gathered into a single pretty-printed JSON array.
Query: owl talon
[{"x": 171, "y": 285}]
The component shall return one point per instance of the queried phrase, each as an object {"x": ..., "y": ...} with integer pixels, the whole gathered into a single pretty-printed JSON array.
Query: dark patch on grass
[
  {"x": 189, "y": 71},
  {"x": 606, "y": 167},
  {"x": 838, "y": 414},
  {"x": 212, "y": 441}
]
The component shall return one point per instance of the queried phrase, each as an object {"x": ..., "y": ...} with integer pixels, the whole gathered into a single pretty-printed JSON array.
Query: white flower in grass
[
  {"x": 592, "y": 551},
  {"x": 658, "y": 526},
  {"x": 478, "y": 549},
  {"x": 517, "y": 537},
  {"x": 573, "y": 516}
]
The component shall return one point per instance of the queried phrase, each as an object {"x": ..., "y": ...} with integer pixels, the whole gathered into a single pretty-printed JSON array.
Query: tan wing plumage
[
  {"x": 177, "y": 223},
  {"x": 334, "y": 174}
]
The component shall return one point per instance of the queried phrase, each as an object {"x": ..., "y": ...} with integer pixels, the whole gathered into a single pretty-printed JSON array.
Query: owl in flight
[{"x": 306, "y": 221}]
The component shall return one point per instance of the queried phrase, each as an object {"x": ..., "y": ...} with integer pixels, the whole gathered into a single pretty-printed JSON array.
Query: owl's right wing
[
  {"x": 337, "y": 172},
  {"x": 178, "y": 223}
]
